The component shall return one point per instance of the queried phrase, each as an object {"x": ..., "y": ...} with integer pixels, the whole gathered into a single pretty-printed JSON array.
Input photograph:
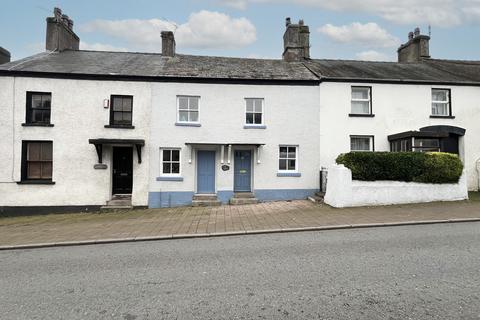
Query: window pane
[
  {"x": 167, "y": 167},
  {"x": 249, "y": 105},
  {"x": 282, "y": 164},
  {"x": 439, "y": 95},
  {"x": 46, "y": 151},
  {"x": 360, "y": 144},
  {"x": 46, "y": 170},
  {"x": 193, "y": 103},
  {"x": 175, "y": 155},
  {"x": 127, "y": 117},
  {"x": 291, "y": 152},
  {"x": 127, "y": 104},
  {"x": 440, "y": 109},
  {"x": 46, "y": 116},
  {"x": 360, "y": 93},
  {"x": 37, "y": 115},
  {"x": 258, "y": 118},
  {"x": 117, "y": 104},
  {"x": 283, "y": 152},
  {"x": 258, "y": 105},
  {"x": 117, "y": 117},
  {"x": 176, "y": 167},
  {"x": 426, "y": 143},
  {"x": 249, "y": 118},
  {"x": 183, "y": 103},
  {"x": 34, "y": 151},
  {"x": 34, "y": 170},
  {"x": 360, "y": 107},
  {"x": 183, "y": 116},
  {"x": 193, "y": 116},
  {"x": 36, "y": 101},
  {"x": 46, "y": 101},
  {"x": 166, "y": 155},
  {"x": 291, "y": 164}
]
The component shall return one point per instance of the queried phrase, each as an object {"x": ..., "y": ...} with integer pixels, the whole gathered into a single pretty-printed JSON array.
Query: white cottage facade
[{"x": 86, "y": 129}]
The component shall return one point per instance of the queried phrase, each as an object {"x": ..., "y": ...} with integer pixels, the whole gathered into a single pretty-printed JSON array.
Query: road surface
[{"x": 411, "y": 272}]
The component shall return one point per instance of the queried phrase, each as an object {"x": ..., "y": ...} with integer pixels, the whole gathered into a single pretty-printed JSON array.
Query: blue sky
[{"x": 340, "y": 29}]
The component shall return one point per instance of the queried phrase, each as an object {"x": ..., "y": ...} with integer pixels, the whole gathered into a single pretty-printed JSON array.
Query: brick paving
[{"x": 211, "y": 220}]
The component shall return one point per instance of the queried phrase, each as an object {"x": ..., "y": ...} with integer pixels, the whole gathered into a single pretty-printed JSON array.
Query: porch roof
[
  {"x": 417, "y": 134},
  {"x": 98, "y": 143}
]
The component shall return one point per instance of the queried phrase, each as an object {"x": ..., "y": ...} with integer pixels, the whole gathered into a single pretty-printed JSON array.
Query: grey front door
[
  {"x": 242, "y": 171},
  {"x": 206, "y": 172}
]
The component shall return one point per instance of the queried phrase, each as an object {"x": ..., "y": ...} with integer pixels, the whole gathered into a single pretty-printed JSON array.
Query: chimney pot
[
  {"x": 301, "y": 22},
  {"x": 410, "y": 35},
  {"x": 288, "y": 21},
  {"x": 417, "y": 31}
]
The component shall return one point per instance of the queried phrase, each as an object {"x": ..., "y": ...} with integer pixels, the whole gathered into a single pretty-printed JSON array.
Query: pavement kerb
[{"x": 232, "y": 233}]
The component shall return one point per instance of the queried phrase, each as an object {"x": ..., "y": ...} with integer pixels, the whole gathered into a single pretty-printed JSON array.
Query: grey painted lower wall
[{"x": 184, "y": 198}]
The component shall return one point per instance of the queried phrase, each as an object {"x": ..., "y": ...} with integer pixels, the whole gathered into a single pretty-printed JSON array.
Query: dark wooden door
[{"x": 122, "y": 170}]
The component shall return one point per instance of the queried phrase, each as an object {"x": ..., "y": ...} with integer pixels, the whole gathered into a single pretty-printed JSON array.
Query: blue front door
[
  {"x": 242, "y": 167},
  {"x": 206, "y": 172}
]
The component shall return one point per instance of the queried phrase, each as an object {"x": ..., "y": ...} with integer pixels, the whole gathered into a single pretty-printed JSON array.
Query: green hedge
[{"x": 430, "y": 167}]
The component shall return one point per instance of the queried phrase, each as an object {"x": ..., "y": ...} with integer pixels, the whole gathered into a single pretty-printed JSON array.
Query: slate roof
[
  {"x": 73, "y": 63},
  {"x": 430, "y": 70},
  {"x": 155, "y": 65}
]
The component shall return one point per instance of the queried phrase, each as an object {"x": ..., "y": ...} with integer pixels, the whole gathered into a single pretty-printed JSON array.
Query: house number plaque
[{"x": 225, "y": 167}]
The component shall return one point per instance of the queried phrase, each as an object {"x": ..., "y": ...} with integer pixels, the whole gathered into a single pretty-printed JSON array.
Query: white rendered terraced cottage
[{"x": 84, "y": 129}]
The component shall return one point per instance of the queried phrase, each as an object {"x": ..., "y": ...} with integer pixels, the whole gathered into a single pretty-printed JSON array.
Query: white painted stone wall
[
  {"x": 78, "y": 115},
  {"x": 291, "y": 118},
  {"x": 397, "y": 108},
  {"x": 343, "y": 192}
]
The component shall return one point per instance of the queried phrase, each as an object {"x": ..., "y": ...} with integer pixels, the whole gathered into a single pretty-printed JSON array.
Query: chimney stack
[
  {"x": 296, "y": 41},
  {"x": 60, "y": 35},
  {"x": 168, "y": 44},
  {"x": 4, "y": 56},
  {"x": 416, "y": 49}
]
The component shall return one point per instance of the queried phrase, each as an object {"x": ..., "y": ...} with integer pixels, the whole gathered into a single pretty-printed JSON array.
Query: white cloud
[
  {"x": 372, "y": 55},
  {"x": 100, "y": 47},
  {"x": 441, "y": 13},
  {"x": 203, "y": 30},
  {"x": 367, "y": 35}
]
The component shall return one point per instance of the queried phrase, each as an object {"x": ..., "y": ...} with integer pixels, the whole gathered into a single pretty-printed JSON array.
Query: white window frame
[
  {"x": 296, "y": 158},
  {"x": 369, "y": 100},
  {"x": 445, "y": 102},
  {"x": 371, "y": 142},
  {"x": 179, "y": 174},
  {"x": 254, "y": 112},
  {"x": 188, "y": 110}
]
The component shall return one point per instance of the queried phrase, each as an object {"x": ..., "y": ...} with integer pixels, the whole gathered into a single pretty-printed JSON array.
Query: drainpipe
[{"x": 478, "y": 173}]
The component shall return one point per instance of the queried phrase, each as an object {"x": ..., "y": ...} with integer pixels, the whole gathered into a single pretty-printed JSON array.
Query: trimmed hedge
[{"x": 430, "y": 167}]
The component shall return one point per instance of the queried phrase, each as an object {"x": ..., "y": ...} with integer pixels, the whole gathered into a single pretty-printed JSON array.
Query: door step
[
  {"x": 317, "y": 198},
  {"x": 113, "y": 208},
  {"x": 119, "y": 201},
  {"x": 205, "y": 200},
  {"x": 243, "y": 198}
]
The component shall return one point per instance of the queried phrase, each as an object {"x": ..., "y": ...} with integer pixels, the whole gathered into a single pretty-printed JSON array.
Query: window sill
[
  {"x": 187, "y": 124},
  {"x": 118, "y": 126},
  {"x": 37, "y": 125},
  {"x": 359, "y": 115},
  {"x": 36, "y": 182},
  {"x": 442, "y": 117},
  {"x": 169, "y": 179},
  {"x": 254, "y": 126},
  {"x": 289, "y": 174}
]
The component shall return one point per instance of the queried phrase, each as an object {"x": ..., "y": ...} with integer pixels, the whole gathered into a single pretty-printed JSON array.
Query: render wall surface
[
  {"x": 77, "y": 115},
  {"x": 291, "y": 118},
  {"x": 397, "y": 108},
  {"x": 343, "y": 192}
]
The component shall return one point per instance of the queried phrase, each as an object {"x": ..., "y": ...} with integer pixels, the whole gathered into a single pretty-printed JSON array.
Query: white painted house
[{"x": 84, "y": 129}]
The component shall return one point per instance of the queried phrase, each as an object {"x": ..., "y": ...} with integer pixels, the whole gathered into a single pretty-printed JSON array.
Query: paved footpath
[{"x": 135, "y": 225}]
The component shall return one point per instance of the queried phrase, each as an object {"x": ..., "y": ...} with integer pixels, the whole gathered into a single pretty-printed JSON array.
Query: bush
[{"x": 431, "y": 167}]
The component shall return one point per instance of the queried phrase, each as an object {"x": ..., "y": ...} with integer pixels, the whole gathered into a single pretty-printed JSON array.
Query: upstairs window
[
  {"x": 188, "y": 109},
  {"x": 441, "y": 106},
  {"x": 254, "y": 111},
  {"x": 121, "y": 111},
  {"x": 361, "y": 101},
  {"x": 361, "y": 143},
  {"x": 38, "y": 108},
  {"x": 288, "y": 161},
  {"x": 170, "y": 160},
  {"x": 37, "y": 160}
]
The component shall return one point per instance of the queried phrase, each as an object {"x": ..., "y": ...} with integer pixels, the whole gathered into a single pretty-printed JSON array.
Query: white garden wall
[{"x": 343, "y": 192}]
